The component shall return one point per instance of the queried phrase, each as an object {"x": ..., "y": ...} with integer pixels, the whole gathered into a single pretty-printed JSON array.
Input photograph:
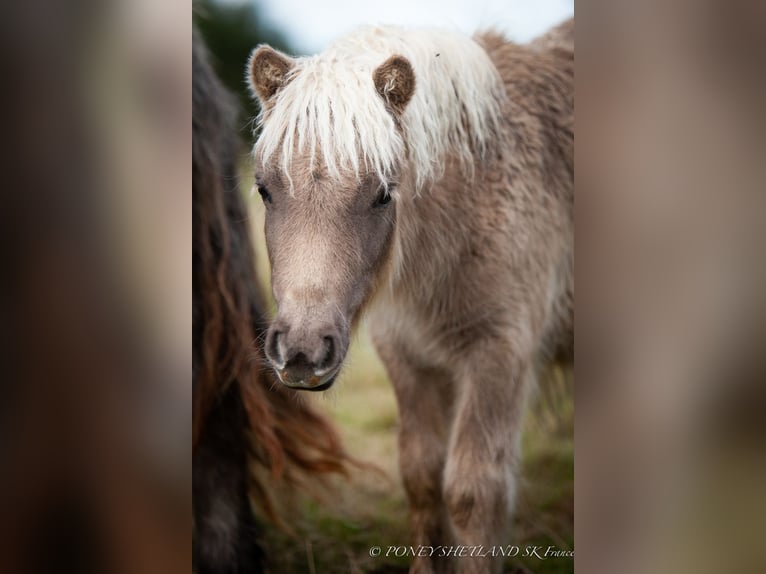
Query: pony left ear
[
  {"x": 268, "y": 72},
  {"x": 395, "y": 82}
]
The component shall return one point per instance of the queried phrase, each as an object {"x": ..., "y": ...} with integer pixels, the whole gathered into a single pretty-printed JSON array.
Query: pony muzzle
[{"x": 305, "y": 359}]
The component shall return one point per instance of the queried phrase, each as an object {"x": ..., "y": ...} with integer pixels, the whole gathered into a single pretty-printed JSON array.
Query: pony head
[{"x": 344, "y": 135}]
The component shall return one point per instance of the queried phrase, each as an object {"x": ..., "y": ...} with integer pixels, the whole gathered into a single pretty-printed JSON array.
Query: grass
[{"x": 335, "y": 535}]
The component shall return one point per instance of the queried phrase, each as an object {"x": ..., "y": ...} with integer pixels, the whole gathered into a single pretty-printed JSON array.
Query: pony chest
[{"x": 408, "y": 327}]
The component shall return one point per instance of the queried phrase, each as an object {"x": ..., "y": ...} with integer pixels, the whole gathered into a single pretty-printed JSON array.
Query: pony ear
[
  {"x": 268, "y": 72},
  {"x": 395, "y": 82}
]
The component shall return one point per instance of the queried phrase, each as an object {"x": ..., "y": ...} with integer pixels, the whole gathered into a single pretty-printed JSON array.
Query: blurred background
[{"x": 335, "y": 534}]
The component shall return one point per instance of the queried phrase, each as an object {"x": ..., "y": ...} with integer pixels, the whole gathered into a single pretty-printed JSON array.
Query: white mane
[{"x": 331, "y": 110}]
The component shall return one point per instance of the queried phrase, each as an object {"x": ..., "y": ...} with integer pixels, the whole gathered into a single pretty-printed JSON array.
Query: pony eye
[
  {"x": 265, "y": 195},
  {"x": 384, "y": 197}
]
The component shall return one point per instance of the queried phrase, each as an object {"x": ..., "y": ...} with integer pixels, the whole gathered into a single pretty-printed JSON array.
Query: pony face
[
  {"x": 329, "y": 224},
  {"x": 327, "y": 241}
]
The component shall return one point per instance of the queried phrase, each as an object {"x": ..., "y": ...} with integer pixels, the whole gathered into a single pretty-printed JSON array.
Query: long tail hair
[{"x": 244, "y": 423}]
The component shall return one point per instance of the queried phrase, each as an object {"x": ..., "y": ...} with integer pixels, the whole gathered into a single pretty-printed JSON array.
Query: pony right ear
[
  {"x": 395, "y": 82},
  {"x": 268, "y": 72}
]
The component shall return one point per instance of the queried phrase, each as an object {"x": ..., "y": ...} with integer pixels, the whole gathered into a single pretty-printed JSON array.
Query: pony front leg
[
  {"x": 484, "y": 453},
  {"x": 424, "y": 398}
]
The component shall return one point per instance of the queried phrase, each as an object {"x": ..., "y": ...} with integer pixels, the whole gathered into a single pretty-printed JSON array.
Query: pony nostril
[
  {"x": 272, "y": 347},
  {"x": 329, "y": 356}
]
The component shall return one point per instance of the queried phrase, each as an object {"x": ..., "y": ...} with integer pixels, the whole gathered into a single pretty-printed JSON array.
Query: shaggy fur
[
  {"x": 242, "y": 425},
  {"x": 467, "y": 275}
]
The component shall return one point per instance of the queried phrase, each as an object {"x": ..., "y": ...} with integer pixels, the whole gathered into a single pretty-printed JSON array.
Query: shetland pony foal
[{"x": 426, "y": 177}]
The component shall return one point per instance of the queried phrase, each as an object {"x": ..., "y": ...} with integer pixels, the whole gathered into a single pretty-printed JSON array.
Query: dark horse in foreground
[{"x": 244, "y": 426}]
